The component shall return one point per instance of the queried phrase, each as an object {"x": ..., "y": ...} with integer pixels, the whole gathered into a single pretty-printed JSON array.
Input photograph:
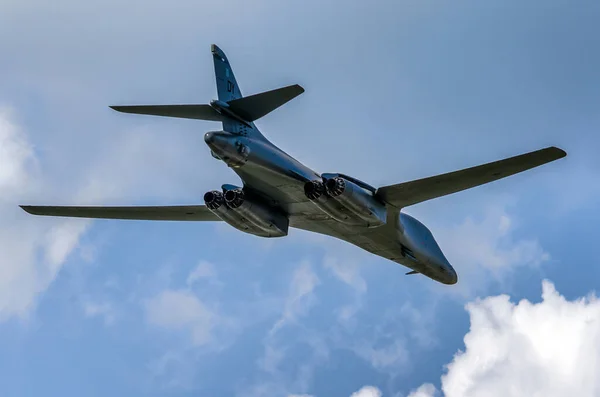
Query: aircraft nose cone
[{"x": 453, "y": 277}]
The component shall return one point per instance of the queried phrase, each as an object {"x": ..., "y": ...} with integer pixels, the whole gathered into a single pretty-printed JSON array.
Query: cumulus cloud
[
  {"x": 550, "y": 348},
  {"x": 426, "y": 390},
  {"x": 367, "y": 391}
]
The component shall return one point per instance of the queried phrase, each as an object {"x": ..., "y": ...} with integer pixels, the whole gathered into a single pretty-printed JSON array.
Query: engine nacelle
[
  {"x": 346, "y": 202},
  {"x": 247, "y": 214}
]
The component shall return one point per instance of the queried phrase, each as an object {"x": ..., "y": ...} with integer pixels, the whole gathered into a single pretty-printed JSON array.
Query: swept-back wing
[
  {"x": 409, "y": 193},
  {"x": 198, "y": 112},
  {"x": 151, "y": 213}
]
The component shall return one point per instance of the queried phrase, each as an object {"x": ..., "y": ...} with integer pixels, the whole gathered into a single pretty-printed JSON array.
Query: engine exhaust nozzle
[
  {"x": 314, "y": 189},
  {"x": 335, "y": 186},
  {"x": 213, "y": 199},
  {"x": 234, "y": 198}
]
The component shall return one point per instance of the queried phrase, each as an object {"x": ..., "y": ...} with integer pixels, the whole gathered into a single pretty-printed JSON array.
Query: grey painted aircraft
[{"x": 278, "y": 192}]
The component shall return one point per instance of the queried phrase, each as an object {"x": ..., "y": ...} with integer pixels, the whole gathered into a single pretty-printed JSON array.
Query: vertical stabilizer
[
  {"x": 228, "y": 90},
  {"x": 227, "y": 86}
]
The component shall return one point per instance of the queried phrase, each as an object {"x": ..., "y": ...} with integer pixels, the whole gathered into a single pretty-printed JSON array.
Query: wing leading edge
[
  {"x": 413, "y": 192},
  {"x": 150, "y": 213},
  {"x": 198, "y": 112}
]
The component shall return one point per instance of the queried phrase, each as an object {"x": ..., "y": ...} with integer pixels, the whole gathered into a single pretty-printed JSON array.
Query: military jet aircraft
[{"x": 278, "y": 192}]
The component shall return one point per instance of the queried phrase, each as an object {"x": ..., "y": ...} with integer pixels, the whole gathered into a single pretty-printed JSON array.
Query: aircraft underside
[{"x": 278, "y": 192}]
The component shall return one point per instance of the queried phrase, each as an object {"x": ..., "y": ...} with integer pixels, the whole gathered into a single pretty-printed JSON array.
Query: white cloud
[
  {"x": 367, "y": 391},
  {"x": 181, "y": 310},
  {"x": 104, "y": 310},
  {"x": 484, "y": 248},
  {"x": 16, "y": 157},
  {"x": 345, "y": 267},
  {"x": 33, "y": 251},
  {"x": 550, "y": 348},
  {"x": 299, "y": 300},
  {"x": 420, "y": 322},
  {"x": 346, "y": 271},
  {"x": 425, "y": 390},
  {"x": 393, "y": 356},
  {"x": 62, "y": 239},
  {"x": 300, "y": 297},
  {"x": 204, "y": 270}
]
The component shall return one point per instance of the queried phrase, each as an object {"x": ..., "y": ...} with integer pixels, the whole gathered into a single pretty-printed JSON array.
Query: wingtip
[
  {"x": 28, "y": 209},
  {"x": 557, "y": 153},
  {"x": 560, "y": 152}
]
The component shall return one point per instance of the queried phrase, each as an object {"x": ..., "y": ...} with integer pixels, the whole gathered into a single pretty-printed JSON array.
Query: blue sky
[{"x": 401, "y": 90}]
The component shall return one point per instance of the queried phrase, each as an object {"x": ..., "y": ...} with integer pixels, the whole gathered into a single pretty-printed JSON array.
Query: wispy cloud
[
  {"x": 485, "y": 248},
  {"x": 104, "y": 310},
  {"x": 181, "y": 310},
  {"x": 300, "y": 296},
  {"x": 347, "y": 271},
  {"x": 32, "y": 252},
  {"x": 300, "y": 299},
  {"x": 203, "y": 271},
  {"x": 35, "y": 248},
  {"x": 392, "y": 356}
]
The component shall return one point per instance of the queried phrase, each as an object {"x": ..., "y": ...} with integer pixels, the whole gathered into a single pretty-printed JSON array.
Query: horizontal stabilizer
[
  {"x": 254, "y": 107},
  {"x": 409, "y": 193},
  {"x": 198, "y": 112},
  {"x": 150, "y": 213}
]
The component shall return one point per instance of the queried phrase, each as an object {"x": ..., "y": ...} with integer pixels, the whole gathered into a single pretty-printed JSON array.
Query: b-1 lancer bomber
[{"x": 278, "y": 192}]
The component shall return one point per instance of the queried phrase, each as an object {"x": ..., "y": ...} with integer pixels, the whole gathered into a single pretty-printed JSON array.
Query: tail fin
[
  {"x": 235, "y": 112},
  {"x": 227, "y": 87},
  {"x": 244, "y": 111}
]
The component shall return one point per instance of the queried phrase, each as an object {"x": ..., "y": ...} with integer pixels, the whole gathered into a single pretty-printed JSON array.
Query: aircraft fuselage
[{"x": 278, "y": 180}]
